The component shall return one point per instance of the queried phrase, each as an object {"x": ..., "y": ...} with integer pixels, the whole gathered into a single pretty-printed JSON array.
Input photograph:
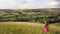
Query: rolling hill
[{"x": 29, "y": 14}]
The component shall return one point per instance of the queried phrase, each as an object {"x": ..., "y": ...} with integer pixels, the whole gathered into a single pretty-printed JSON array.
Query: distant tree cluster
[{"x": 31, "y": 15}]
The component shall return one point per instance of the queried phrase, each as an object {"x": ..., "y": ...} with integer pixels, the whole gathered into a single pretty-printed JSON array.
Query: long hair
[{"x": 46, "y": 23}]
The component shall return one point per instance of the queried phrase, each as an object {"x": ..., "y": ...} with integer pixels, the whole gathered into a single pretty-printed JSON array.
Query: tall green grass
[{"x": 25, "y": 28}]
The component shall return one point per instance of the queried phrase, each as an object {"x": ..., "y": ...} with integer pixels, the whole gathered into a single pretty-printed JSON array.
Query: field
[{"x": 27, "y": 28}]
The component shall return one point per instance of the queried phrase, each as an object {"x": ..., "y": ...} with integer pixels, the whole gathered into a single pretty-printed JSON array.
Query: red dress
[{"x": 45, "y": 28}]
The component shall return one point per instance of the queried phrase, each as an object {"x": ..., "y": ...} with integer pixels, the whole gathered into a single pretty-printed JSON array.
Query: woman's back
[{"x": 45, "y": 28}]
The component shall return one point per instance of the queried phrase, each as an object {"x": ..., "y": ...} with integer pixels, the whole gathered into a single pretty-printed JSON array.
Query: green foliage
[{"x": 38, "y": 15}]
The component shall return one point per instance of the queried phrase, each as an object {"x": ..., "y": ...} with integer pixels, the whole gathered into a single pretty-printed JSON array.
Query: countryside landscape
[{"x": 29, "y": 21}]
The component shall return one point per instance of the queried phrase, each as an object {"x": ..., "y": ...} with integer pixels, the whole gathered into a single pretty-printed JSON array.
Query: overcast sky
[{"x": 29, "y": 4}]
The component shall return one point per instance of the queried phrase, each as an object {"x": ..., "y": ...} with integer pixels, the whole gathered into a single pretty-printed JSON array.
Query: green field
[{"x": 26, "y": 28}]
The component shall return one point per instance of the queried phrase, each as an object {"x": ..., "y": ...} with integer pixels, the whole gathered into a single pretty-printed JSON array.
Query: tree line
[{"x": 30, "y": 15}]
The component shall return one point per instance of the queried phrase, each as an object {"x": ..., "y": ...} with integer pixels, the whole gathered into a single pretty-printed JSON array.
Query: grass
[{"x": 26, "y": 28}]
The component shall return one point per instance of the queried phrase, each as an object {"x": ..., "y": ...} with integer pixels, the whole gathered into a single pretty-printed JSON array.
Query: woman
[{"x": 45, "y": 28}]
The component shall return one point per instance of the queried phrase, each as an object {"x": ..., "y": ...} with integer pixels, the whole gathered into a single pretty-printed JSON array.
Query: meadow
[{"x": 27, "y": 28}]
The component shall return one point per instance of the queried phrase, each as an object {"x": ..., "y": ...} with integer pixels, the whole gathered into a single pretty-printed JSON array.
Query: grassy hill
[{"x": 26, "y": 28}]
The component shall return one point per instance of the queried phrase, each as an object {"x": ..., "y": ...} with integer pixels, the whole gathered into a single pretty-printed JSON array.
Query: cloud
[
  {"x": 6, "y": 3},
  {"x": 29, "y": 4},
  {"x": 57, "y": 0},
  {"x": 58, "y": 3},
  {"x": 13, "y": 4},
  {"x": 53, "y": 4}
]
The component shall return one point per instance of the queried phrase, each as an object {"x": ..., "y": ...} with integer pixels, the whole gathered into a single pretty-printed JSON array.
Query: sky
[{"x": 29, "y": 4}]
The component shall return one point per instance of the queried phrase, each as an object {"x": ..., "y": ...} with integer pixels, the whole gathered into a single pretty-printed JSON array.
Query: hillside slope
[{"x": 29, "y": 14}]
